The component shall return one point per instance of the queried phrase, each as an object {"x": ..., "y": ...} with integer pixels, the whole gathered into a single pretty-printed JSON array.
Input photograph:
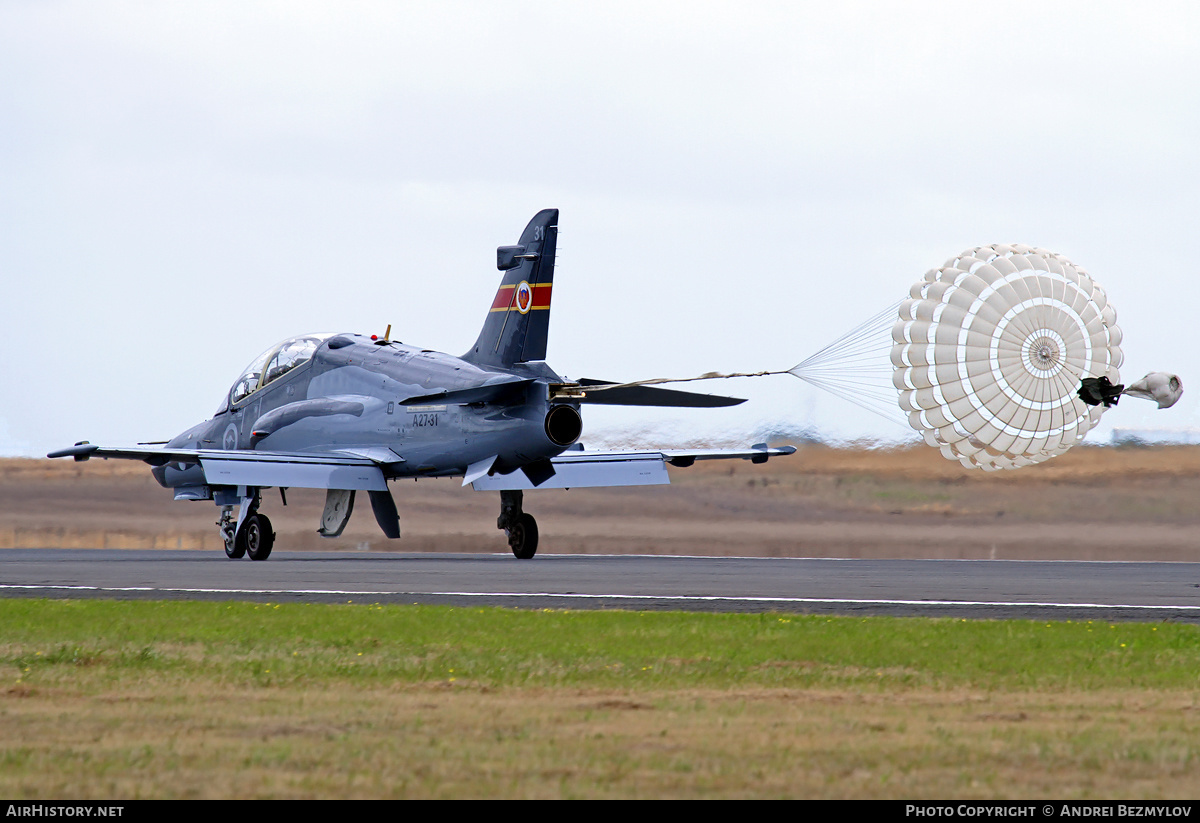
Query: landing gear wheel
[
  {"x": 234, "y": 549},
  {"x": 523, "y": 537},
  {"x": 255, "y": 537}
]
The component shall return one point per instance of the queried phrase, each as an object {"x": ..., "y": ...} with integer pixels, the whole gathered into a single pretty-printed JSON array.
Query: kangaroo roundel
[{"x": 524, "y": 297}]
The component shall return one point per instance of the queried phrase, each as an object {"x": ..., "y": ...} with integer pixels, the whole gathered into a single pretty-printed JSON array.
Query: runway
[{"x": 956, "y": 588}]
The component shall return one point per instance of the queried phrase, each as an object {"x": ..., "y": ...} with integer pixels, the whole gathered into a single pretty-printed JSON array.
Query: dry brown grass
[
  {"x": 923, "y": 463},
  {"x": 819, "y": 502},
  {"x": 464, "y": 742}
]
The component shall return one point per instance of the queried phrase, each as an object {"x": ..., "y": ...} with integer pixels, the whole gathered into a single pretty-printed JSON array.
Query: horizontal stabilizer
[{"x": 651, "y": 396}]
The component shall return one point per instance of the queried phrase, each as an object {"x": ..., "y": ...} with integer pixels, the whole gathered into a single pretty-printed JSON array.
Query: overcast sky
[{"x": 183, "y": 184}]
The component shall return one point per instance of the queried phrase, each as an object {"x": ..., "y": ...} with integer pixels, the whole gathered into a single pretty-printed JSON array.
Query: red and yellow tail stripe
[{"x": 506, "y": 297}]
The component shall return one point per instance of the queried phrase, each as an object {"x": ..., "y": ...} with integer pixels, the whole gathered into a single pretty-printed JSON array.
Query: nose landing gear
[
  {"x": 251, "y": 534},
  {"x": 233, "y": 550},
  {"x": 520, "y": 527}
]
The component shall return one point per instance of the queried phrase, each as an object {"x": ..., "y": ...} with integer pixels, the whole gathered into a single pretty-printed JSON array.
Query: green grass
[
  {"x": 284, "y": 643},
  {"x": 104, "y": 699}
]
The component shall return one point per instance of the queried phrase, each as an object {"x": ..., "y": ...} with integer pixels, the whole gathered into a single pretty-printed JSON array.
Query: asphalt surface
[{"x": 959, "y": 588}]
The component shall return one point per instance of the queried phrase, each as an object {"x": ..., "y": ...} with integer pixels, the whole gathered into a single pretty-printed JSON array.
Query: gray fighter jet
[{"x": 347, "y": 413}]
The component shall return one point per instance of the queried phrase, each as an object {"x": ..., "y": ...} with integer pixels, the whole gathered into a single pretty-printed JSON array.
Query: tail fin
[{"x": 518, "y": 322}]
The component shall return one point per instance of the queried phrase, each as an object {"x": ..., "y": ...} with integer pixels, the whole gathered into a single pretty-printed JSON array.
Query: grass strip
[
  {"x": 288, "y": 642},
  {"x": 113, "y": 699}
]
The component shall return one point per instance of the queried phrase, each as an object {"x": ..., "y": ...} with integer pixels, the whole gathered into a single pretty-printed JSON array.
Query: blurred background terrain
[{"x": 1094, "y": 503}]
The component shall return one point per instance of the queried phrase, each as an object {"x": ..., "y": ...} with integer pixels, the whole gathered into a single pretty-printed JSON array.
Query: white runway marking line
[{"x": 827, "y": 601}]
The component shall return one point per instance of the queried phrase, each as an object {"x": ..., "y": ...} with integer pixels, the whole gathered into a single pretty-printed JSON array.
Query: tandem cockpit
[{"x": 273, "y": 364}]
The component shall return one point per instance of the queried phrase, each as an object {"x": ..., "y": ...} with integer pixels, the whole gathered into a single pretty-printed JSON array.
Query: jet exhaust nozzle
[{"x": 563, "y": 425}]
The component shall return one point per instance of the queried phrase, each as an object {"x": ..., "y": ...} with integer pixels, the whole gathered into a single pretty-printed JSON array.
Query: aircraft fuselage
[
  {"x": 357, "y": 394},
  {"x": 347, "y": 413}
]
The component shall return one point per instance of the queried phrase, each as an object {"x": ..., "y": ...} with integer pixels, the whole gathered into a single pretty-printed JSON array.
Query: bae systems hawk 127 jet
[{"x": 346, "y": 413}]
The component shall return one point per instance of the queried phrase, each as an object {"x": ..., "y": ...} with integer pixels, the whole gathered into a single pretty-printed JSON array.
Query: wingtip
[{"x": 80, "y": 451}]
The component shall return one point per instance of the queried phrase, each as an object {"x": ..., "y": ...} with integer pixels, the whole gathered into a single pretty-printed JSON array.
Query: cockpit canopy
[{"x": 273, "y": 364}]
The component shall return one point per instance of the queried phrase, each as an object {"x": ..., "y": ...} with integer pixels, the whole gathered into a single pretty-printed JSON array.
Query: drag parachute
[
  {"x": 1005, "y": 356},
  {"x": 990, "y": 352}
]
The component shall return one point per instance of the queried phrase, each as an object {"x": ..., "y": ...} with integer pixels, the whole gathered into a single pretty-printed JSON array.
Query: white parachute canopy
[{"x": 990, "y": 351}]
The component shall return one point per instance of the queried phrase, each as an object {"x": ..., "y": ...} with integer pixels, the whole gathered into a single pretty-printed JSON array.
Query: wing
[
  {"x": 619, "y": 395},
  {"x": 345, "y": 469},
  {"x": 364, "y": 469},
  {"x": 584, "y": 469}
]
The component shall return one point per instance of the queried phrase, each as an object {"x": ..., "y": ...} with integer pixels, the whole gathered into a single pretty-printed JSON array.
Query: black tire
[
  {"x": 256, "y": 537},
  {"x": 235, "y": 549},
  {"x": 523, "y": 537}
]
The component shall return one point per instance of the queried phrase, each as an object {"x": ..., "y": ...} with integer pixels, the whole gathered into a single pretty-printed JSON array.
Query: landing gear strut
[
  {"x": 520, "y": 527},
  {"x": 251, "y": 534}
]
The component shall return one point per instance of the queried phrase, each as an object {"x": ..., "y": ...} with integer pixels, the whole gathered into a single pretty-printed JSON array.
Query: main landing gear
[
  {"x": 251, "y": 534},
  {"x": 520, "y": 527}
]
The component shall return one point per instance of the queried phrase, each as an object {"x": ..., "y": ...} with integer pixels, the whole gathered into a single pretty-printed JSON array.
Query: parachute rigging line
[{"x": 855, "y": 367}]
